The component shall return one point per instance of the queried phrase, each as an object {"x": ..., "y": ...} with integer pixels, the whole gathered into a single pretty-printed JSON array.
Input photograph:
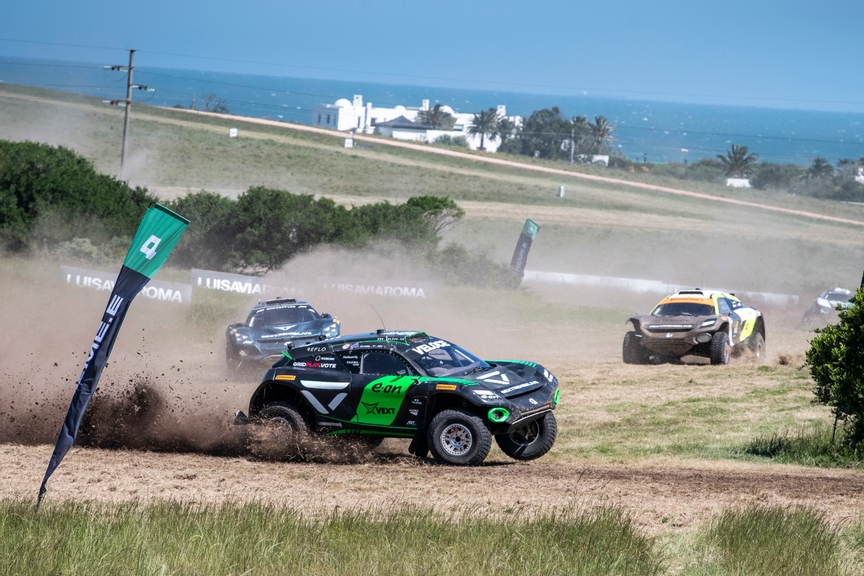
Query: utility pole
[
  {"x": 125, "y": 146},
  {"x": 127, "y": 103}
]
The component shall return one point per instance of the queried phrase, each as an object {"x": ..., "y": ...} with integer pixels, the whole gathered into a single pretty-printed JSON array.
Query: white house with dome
[{"x": 398, "y": 122}]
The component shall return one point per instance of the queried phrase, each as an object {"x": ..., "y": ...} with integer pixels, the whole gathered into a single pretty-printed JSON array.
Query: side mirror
[{"x": 327, "y": 315}]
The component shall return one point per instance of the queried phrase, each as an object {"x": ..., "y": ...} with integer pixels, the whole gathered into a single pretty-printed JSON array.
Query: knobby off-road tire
[
  {"x": 720, "y": 349},
  {"x": 757, "y": 347},
  {"x": 288, "y": 416},
  {"x": 458, "y": 438},
  {"x": 632, "y": 351},
  {"x": 531, "y": 441},
  {"x": 233, "y": 363}
]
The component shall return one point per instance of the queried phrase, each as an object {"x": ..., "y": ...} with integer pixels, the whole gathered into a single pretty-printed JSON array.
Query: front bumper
[{"x": 677, "y": 342}]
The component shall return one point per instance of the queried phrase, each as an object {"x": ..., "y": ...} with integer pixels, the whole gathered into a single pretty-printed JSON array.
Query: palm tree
[
  {"x": 737, "y": 162},
  {"x": 819, "y": 168},
  {"x": 485, "y": 123},
  {"x": 599, "y": 133},
  {"x": 436, "y": 117}
]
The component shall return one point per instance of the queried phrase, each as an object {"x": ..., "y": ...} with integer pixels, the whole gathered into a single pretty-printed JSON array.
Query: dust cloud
[{"x": 165, "y": 387}]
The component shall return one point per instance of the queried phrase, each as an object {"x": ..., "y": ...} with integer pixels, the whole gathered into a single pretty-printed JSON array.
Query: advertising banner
[
  {"x": 158, "y": 290},
  {"x": 386, "y": 288},
  {"x": 265, "y": 288},
  {"x": 158, "y": 233}
]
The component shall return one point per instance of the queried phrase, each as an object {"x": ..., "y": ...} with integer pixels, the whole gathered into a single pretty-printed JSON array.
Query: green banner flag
[{"x": 159, "y": 232}]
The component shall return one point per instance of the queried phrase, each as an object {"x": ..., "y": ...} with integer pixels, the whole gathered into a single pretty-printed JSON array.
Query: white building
[{"x": 399, "y": 122}]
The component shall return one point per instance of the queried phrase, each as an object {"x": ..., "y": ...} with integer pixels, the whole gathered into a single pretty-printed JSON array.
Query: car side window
[
  {"x": 724, "y": 307},
  {"x": 351, "y": 360},
  {"x": 382, "y": 363}
]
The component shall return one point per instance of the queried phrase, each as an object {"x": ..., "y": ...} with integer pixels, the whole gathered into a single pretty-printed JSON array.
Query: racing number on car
[{"x": 382, "y": 399}]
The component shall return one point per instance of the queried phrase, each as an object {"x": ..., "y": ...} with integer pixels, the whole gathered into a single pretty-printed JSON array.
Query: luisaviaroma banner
[
  {"x": 158, "y": 233},
  {"x": 266, "y": 288},
  {"x": 158, "y": 290}
]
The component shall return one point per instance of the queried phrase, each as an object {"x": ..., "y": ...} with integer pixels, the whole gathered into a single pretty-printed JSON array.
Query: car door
[
  {"x": 726, "y": 309},
  {"x": 380, "y": 387}
]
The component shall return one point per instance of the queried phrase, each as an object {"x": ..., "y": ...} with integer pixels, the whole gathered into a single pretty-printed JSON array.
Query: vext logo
[{"x": 376, "y": 410}]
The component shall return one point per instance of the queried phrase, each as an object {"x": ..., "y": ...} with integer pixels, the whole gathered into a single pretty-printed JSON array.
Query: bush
[
  {"x": 57, "y": 188},
  {"x": 836, "y": 360},
  {"x": 264, "y": 228},
  {"x": 448, "y": 140}
]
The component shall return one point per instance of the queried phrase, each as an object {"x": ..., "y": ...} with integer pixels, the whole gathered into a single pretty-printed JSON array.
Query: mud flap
[{"x": 419, "y": 447}]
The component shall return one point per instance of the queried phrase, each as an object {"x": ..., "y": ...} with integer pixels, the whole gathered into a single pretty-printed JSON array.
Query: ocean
[{"x": 656, "y": 131}]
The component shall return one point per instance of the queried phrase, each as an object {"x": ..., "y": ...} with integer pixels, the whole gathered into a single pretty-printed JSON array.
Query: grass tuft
[
  {"x": 183, "y": 538},
  {"x": 816, "y": 446},
  {"x": 773, "y": 540}
]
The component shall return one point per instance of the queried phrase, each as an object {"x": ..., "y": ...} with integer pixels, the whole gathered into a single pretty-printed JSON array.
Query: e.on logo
[{"x": 149, "y": 247}]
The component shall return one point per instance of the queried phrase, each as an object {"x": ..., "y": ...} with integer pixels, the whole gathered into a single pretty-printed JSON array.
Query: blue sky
[{"x": 792, "y": 53}]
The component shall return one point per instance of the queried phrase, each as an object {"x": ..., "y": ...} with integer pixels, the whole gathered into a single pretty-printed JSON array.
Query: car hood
[
  {"x": 670, "y": 323},
  {"x": 285, "y": 332},
  {"x": 510, "y": 381}
]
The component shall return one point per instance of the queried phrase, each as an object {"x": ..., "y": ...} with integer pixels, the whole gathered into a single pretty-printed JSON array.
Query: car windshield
[
  {"x": 282, "y": 316},
  {"x": 441, "y": 358},
  {"x": 838, "y": 296},
  {"x": 683, "y": 309}
]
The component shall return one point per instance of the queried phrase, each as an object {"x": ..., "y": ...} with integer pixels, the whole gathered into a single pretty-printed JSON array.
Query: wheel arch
[{"x": 274, "y": 391}]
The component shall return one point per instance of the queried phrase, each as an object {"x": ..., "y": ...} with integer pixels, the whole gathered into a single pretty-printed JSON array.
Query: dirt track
[{"x": 662, "y": 496}]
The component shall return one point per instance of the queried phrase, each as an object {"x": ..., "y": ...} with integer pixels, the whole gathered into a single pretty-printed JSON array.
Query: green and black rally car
[{"x": 411, "y": 385}]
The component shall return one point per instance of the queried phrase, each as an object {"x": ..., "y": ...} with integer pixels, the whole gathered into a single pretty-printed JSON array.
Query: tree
[
  {"x": 599, "y": 136},
  {"x": 485, "y": 123},
  {"x": 820, "y": 168},
  {"x": 212, "y": 103},
  {"x": 847, "y": 167},
  {"x": 737, "y": 162},
  {"x": 836, "y": 360},
  {"x": 775, "y": 177},
  {"x": 544, "y": 132},
  {"x": 436, "y": 117}
]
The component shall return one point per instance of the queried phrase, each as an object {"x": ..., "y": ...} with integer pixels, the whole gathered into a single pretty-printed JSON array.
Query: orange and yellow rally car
[{"x": 696, "y": 322}]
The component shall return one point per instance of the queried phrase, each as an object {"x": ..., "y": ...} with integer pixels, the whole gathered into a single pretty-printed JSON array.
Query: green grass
[
  {"x": 173, "y": 538},
  {"x": 771, "y": 541},
  {"x": 816, "y": 445}
]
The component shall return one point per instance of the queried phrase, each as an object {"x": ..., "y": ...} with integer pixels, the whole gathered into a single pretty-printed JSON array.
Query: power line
[{"x": 451, "y": 79}]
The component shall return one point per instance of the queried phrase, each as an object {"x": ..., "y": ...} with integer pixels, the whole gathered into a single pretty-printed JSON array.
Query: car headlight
[
  {"x": 332, "y": 329},
  {"x": 708, "y": 323}
]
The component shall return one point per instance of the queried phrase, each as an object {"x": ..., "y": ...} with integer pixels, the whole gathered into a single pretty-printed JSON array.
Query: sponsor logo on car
[
  {"x": 386, "y": 388},
  {"x": 426, "y": 348},
  {"x": 318, "y": 348},
  {"x": 486, "y": 394},
  {"x": 445, "y": 387},
  {"x": 286, "y": 377},
  {"x": 518, "y": 387},
  {"x": 375, "y": 409},
  {"x": 413, "y": 412}
]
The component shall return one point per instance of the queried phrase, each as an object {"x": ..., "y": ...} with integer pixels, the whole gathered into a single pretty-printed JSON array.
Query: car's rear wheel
[
  {"x": 530, "y": 441},
  {"x": 720, "y": 349},
  {"x": 286, "y": 417},
  {"x": 458, "y": 438},
  {"x": 633, "y": 352},
  {"x": 757, "y": 346}
]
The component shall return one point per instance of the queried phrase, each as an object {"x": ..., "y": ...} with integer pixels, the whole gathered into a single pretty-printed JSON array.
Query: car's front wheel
[
  {"x": 458, "y": 438},
  {"x": 720, "y": 349},
  {"x": 530, "y": 441},
  {"x": 633, "y": 352}
]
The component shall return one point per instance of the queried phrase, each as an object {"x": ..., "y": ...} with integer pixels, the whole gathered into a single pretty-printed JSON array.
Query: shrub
[
  {"x": 836, "y": 360},
  {"x": 449, "y": 140},
  {"x": 63, "y": 191}
]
